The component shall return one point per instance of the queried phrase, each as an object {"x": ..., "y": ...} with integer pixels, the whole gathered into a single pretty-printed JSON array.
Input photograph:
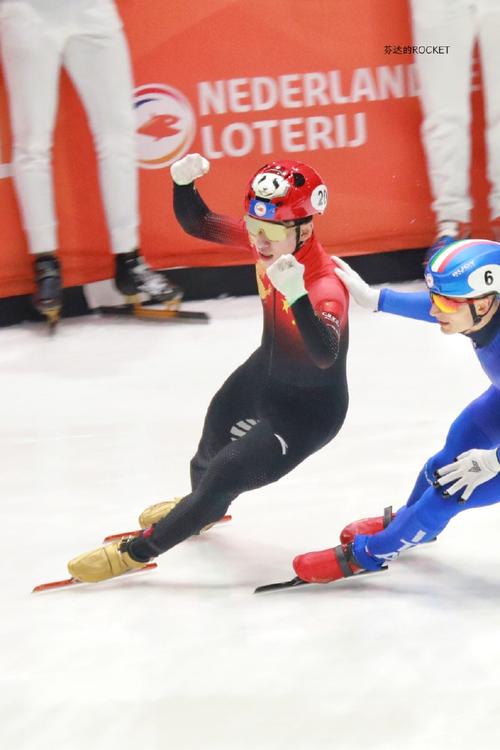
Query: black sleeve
[
  {"x": 197, "y": 219},
  {"x": 322, "y": 341}
]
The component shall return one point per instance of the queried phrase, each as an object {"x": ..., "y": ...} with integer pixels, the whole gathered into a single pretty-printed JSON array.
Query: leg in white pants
[
  {"x": 445, "y": 97},
  {"x": 37, "y": 37},
  {"x": 100, "y": 70},
  {"x": 32, "y": 56},
  {"x": 489, "y": 40}
]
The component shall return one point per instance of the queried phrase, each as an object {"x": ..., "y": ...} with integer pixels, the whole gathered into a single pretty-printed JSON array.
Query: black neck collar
[{"x": 483, "y": 337}]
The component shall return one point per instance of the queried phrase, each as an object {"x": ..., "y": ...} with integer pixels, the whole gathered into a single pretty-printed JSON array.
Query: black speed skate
[
  {"x": 47, "y": 298},
  {"x": 134, "y": 277}
]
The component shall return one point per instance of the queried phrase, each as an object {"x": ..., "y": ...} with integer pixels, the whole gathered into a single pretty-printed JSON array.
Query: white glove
[
  {"x": 189, "y": 168},
  {"x": 468, "y": 471},
  {"x": 287, "y": 276},
  {"x": 359, "y": 289}
]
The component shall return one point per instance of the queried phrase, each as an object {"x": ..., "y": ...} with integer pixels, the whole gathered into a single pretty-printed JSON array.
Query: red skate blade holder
[{"x": 75, "y": 582}]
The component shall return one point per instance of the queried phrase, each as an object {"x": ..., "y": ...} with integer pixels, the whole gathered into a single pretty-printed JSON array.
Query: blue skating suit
[{"x": 427, "y": 511}]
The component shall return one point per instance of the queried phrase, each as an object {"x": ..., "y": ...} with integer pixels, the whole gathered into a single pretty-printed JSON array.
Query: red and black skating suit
[{"x": 284, "y": 403}]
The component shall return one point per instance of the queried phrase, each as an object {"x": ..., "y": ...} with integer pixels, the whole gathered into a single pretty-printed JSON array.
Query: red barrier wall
[{"x": 241, "y": 82}]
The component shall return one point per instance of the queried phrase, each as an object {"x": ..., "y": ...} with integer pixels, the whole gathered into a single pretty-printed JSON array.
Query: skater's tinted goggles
[
  {"x": 273, "y": 232},
  {"x": 447, "y": 304}
]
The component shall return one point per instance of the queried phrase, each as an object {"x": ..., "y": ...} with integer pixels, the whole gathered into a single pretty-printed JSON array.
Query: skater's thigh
[
  {"x": 234, "y": 409},
  {"x": 477, "y": 426},
  {"x": 306, "y": 418}
]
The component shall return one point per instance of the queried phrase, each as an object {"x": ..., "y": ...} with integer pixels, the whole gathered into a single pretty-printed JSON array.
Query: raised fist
[
  {"x": 189, "y": 168},
  {"x": 287, "y": 276}
]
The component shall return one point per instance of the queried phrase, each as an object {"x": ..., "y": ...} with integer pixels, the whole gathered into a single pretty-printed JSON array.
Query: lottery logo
[{"x": 165, "y": 125}]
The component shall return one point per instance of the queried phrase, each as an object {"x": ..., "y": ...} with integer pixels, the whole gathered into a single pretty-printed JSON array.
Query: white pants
[
  {"x": 445, "y": 97},
  {"x": 37, "y": 38}
]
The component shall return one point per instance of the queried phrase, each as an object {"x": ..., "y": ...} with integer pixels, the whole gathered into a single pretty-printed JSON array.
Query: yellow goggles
[
  {"x": 273, "y": 232},
  {"x": 447, "y": 304}
]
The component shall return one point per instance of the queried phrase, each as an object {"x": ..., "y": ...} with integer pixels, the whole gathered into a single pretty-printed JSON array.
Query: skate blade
[
  {"x": 170, "y": 311},
  {"x": 138, "y": 532},
  {"x": 293, "y": 583},
  {"x": 154, "y": 313},
  {"x": 123, "y": 535},
  {"x": 300, "y": 582},
  {"x": 75, "y": 581}
]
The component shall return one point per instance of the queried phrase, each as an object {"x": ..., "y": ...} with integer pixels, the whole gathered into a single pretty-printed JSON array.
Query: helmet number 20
[{"x": 319, "y": 198}]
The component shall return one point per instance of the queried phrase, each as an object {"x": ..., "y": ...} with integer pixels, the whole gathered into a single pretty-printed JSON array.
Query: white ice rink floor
[{"x": 101, "y": 420}]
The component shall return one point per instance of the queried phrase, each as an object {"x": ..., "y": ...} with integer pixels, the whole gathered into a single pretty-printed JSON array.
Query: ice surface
[{"x": 101, "y": 420}]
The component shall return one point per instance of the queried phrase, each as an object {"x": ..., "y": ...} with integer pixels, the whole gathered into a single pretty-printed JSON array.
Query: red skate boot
[
  {"x": 326, "y": 565},
  {"x": 321, "y": 567},
  {"x": 367, "y": 526}
]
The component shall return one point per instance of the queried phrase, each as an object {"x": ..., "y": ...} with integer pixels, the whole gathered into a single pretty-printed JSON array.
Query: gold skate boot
[
  {"x": 100, "y": 564},
  {"x": 156, "y": 512}
]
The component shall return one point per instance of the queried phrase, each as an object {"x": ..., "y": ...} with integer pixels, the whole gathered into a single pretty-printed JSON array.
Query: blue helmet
[{"x": 465, "y": 269}]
